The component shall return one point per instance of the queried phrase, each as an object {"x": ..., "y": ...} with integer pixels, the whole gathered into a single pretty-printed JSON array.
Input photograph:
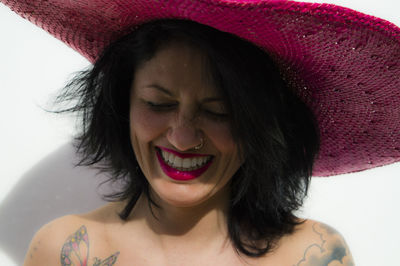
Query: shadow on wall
[{"x": 52, "y": 188}]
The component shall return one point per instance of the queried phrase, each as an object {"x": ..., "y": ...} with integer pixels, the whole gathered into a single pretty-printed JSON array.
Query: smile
[{"x": 182, "y": 169}]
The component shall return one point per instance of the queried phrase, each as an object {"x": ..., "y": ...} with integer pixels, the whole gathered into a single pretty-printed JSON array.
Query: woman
[
  {"x": 182, "y": 90},
  {"x": 186, "y": 116}
]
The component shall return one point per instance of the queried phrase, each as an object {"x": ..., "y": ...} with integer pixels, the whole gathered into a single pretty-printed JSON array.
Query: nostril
[{"x": 184, "y": 138}]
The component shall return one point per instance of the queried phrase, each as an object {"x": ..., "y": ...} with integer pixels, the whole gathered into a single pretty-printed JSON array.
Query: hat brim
[{"x": 345, "y": 65}]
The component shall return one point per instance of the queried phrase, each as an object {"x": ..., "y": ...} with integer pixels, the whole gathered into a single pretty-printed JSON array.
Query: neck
[{"x": 205, "y": 223}]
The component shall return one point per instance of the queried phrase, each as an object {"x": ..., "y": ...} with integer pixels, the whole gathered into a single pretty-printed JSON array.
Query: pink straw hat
[{"x": 345, "y": 65}]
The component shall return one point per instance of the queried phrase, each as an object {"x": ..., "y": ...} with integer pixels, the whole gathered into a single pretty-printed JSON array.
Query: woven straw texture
[{"x": 345, "y": 65}]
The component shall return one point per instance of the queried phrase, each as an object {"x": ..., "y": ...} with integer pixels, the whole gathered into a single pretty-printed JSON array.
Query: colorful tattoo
[
  {"x": 324, "y": 253},
  {"x": 76, "y": 251},
  {"x": 107, "y": 262}
]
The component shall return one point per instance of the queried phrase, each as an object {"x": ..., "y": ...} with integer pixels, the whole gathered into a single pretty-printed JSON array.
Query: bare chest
[
  {"x": 145, "y": 254},
  {"x": 142, "y": 253}
]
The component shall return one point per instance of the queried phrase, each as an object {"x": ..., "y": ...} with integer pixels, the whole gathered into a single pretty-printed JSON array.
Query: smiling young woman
[{"x": 208, "y": 179}]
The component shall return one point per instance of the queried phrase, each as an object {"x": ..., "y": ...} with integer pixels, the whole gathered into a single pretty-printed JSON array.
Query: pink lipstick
[
  {"x": 177, "y": 174},
  {"x": 183, "y": 155}
]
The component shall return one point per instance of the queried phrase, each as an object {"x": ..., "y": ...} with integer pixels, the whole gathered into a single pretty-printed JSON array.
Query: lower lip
[{"x": 181, "y": 175}]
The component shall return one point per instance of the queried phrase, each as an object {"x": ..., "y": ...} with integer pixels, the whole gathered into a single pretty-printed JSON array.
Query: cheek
[
  {"x": 146, "y": 126},
  {"x": 220, "y": 135}
]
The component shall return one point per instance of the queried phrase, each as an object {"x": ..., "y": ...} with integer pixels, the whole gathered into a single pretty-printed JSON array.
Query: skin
[
  {"x": 190, "y": 227},
  {"x": 129, "y": 243},
  {"x": 191, "y": 109},
  {"x": 329, "y": 249},
  {"x": 75, "y": 250}
]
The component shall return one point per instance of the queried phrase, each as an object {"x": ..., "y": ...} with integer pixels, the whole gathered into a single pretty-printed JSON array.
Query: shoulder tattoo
[
  {"x": 330, "y": 249},
  {"x": 75, "y": 251}
]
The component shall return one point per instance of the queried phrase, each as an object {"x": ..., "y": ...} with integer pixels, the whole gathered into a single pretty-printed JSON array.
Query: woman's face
[{"x": 172, "y": 108}]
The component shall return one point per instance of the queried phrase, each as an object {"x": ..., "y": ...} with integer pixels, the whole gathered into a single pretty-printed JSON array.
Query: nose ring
[{"x": 198, "y": 147}]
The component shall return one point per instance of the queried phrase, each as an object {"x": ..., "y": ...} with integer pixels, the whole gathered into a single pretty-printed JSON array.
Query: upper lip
[{"x": 182, "y": 155}]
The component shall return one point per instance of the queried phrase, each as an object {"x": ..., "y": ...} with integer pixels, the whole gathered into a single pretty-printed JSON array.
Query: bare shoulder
[
  {"x": 317, "y": 244},
  {"x": 46, "y": 245},
  {"x": 67, "y": 241}
]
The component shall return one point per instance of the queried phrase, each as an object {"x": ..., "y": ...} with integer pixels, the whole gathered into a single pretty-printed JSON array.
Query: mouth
[{"x": 182, "y": 169}]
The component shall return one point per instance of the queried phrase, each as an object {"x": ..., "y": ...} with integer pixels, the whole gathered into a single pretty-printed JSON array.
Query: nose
[{"x": 184, "y": 133}]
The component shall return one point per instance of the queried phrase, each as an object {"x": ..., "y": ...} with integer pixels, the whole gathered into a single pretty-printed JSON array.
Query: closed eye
[
  {"x": 163, "y": 107},
  {"x": 220, "y": 117},
  {"x": 160, "y": 106}
]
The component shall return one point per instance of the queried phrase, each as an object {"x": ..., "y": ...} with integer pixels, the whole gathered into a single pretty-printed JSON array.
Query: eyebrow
[
  {"x": 162, "y": 89},
  {"x": 168, "y": 92}
]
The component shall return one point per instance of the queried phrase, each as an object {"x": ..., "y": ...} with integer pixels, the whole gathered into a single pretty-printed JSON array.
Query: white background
[{"x": 34, "y": 65}]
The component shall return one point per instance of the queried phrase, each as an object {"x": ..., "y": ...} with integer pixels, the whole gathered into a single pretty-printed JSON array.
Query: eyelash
[
  {"x": 160, "y": 107},
  {"x": 168, "y": 107}
]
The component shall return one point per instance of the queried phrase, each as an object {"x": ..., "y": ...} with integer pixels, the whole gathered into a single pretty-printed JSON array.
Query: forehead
[{"x": 177, "y": 66}]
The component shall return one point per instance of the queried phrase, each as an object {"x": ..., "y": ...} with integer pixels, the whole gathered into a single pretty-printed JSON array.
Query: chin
[{"x": 182, "y": 195}]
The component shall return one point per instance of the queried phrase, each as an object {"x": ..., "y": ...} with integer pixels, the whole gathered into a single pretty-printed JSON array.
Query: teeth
[
  {"x": 170, "y": 157},
  {"x": 187, "y": 164},
  {"x": 194, "y": 162},
  {"x": 201, "y": 160},
  {"x": 177, "y": 161}
]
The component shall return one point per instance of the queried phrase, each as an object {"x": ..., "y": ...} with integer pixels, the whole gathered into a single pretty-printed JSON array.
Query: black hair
[{"x": 276, "y": 132}]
